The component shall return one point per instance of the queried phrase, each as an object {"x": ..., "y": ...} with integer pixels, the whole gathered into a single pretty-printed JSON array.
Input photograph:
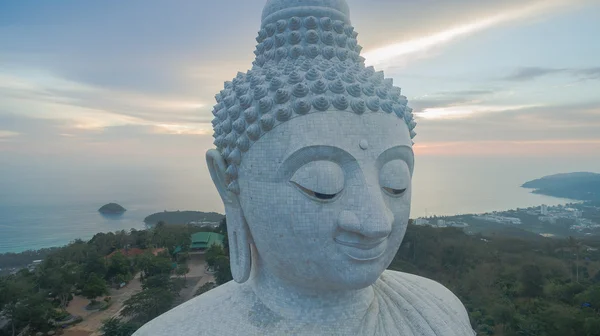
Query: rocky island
[{"x": 112, "y": 209}]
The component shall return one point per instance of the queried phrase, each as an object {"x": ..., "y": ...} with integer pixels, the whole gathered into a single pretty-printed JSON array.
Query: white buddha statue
[{"x": 314, "y": 163}]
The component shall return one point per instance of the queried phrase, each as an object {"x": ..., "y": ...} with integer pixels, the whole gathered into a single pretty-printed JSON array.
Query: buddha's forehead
[{"x": 339, "y": 130}]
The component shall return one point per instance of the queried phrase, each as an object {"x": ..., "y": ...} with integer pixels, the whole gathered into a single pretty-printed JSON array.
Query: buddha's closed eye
[
  {"x": 324, "y": 180},
  {"x": 394, "y": 178},
  {"x": 394, "y": 192},
  {"x": 315, "y": 194},
  {"x": 320, "y": 180}
]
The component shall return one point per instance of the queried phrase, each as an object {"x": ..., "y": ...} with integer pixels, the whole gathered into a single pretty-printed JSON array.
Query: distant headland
[
  {"x": 112, "y": 209},
  {"x": 580, "y": 186},
  {"x": 185, "y": 217}
]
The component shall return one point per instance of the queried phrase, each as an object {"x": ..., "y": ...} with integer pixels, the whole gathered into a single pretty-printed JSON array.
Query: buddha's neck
[{"x": 291, "y": 301}]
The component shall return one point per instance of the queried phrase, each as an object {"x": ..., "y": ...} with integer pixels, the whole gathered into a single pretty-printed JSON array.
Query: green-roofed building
[{"x": 203, "y": 240}]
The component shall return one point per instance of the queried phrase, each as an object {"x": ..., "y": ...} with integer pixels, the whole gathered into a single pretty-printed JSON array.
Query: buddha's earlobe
[
  {"x": 237, "y": 229},
  {"x": 240, "y": 257}
]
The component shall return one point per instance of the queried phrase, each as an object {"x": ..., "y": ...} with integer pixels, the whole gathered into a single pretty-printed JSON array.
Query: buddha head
[{"x": 314, "y": 154}]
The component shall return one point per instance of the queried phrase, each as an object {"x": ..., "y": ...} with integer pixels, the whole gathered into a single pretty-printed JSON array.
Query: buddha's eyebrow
[
  {"x": 313, "y": 153},
  {"x": 402, "y": 152}
]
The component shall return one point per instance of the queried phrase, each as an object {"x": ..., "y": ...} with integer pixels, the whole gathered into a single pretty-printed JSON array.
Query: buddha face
[{"x": 327, "y": 197}]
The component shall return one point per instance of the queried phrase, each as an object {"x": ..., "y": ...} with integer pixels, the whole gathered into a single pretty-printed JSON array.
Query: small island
[
  {"x": 112, "y": 209},
  {"x": 580, "y": 186}
]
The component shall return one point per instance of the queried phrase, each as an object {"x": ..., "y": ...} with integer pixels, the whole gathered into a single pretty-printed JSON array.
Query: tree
[
  {"x": 591, "y": 296},
  {"x": 104, "y": 243},
  {"x": 531, "y": 281},
  {"x": 95, "y": 286},
  {"x": 158, "y": 281},
  {"x": 11, "y": 292},
  {"x": 592, "y": 326},
  {"x": 94, "y": 264},
  {"x": 34, "y": 311},
  {"x": 222, "y": 229},
  {"x": 22, "y": 305},
  {"x": 140, "y": 239},
  {"x": 205, "y": 288},
  {"x": 148, "y": 304},
  {"x": 116, "y": 327},
  {"x": 212, "y": 253},
  {"x": 118, "y": 265},
  {"x": 575, "y": 247},
  {"x": 222, "y": 270},
  {"x": 182, "y": 270},
  {"x": 171, "y": 236},
  {"x": 151, "y": 265},
  {"x": 596, "y": 277},
  {"x": 60, "y": 282}
]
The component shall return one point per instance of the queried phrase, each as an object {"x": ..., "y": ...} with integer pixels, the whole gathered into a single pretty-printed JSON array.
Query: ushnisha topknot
[{"x": 307, "y": 61}]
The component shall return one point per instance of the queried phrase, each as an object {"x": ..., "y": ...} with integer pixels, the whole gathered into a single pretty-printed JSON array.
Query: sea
[{"x": 47, "y": 205}]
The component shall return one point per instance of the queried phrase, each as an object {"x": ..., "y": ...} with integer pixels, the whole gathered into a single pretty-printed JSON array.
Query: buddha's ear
[
  {"x": 217, "y": 168},
  {"x": 237, "y": 229}
]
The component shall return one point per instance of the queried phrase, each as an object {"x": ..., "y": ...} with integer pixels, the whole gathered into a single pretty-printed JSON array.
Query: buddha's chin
[
  {"x": 364, "y": 267},
  {"x": 351, "y": 276},
  {"x": 360, "y": 275}
]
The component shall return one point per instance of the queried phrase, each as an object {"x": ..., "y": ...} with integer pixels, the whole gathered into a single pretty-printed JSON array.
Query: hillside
[
  {"x": 511, "y": 285},
  {"x": 184, "y": 217},
  {"x": 577, "y": 186}
]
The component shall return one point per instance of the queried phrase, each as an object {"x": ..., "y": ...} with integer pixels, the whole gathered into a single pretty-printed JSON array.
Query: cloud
[
  {"x": 8, "y": 134},
  {"x": 403, "y": 52},
  {"x": 147, "y": 77},
  {"x": 530, "y": 73},
  {"x": 434, "y": 105},
  {"x": 507, "y": 148},
  {"x": 589, "y": 73},
  {"x": 560, "y": 122},
  {"x": 46, "y": 96},
  {"x": 465, "y": 111},
  {"x": 466, "y": 93},
  {"x": 120, "y": 146}
]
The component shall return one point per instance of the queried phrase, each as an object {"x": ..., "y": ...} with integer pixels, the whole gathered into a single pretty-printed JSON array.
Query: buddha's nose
[{"x": 371, "y": 219}]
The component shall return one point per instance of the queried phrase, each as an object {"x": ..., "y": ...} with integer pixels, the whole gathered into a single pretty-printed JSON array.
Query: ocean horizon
[{"x": 53, "y": 206}]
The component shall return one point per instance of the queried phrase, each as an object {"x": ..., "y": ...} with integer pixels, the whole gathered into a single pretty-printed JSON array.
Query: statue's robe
[{"x": 403, "y": 305}]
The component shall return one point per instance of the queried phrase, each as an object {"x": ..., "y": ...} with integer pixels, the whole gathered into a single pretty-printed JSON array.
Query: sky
[{"x": 133, "y": 82}]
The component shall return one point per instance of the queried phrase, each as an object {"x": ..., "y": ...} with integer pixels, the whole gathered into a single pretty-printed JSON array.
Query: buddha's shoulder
[
  {"x": 210, "y": 310},
  {"x": 419, "y": 288}
]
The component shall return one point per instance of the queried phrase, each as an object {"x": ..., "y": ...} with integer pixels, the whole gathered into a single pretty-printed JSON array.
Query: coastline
[
  {"x": 27, "y": 227},
  {"x": 150, "y": 225},
  {"x": 131, "y": 220}
]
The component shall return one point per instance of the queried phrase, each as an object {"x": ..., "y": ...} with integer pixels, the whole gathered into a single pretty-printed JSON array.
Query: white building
[
  {"x": 549, "y": 219},
  {"x": 421, "y": 221},
  {"x": 441, "y": 223},
  {"x": 544, "y": 210},
  {"x": 500, "y": 219}
]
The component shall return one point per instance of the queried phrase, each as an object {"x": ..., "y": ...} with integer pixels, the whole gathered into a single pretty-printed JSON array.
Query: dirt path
[
  {"x": 197, "y": 274},
  {"x": 92, "y": 321}
]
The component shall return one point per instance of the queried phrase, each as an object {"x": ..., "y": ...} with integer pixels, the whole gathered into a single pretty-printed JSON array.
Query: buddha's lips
[{"x": 362, "y": 246}]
